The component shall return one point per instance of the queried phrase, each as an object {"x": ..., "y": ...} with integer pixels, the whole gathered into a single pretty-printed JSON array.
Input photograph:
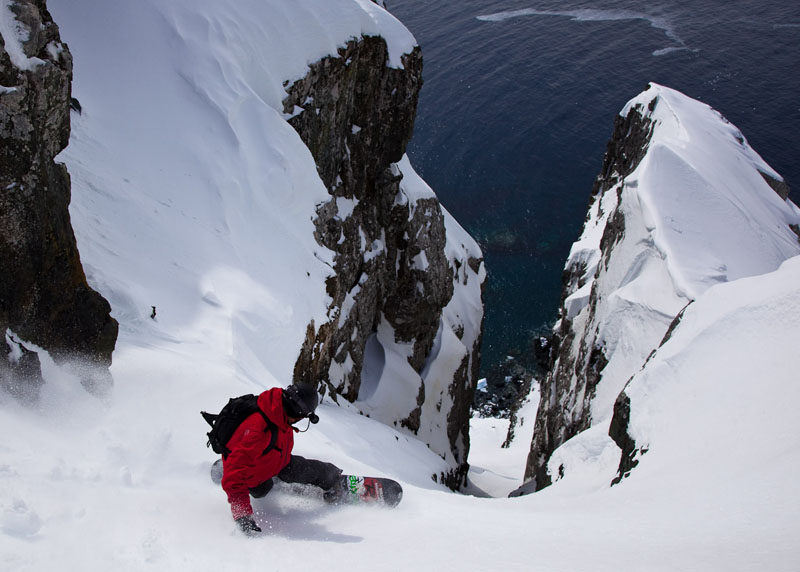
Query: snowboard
[
  {"x": 355, "y": 489},
  {"x": 350, "y": 489}
]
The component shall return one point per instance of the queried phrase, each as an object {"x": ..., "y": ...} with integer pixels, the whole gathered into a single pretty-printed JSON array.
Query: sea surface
[{"x": 519, "y": 102}]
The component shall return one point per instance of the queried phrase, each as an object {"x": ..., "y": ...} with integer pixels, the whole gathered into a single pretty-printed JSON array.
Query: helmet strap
[{"x": 308, "y": 426}]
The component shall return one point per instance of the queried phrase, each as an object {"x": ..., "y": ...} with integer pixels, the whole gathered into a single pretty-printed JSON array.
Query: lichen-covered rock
[
  {"x": 394, "y": 272},
  {"x": 44, "y": 296}
]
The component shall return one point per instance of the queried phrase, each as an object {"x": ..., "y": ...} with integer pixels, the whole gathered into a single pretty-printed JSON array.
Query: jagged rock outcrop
[
  {"x": 44, "y": 297},
  {"x": 395, "y": 272},
  {"x": 682, "y": 203},
  {"x": 566, "y": 393}
]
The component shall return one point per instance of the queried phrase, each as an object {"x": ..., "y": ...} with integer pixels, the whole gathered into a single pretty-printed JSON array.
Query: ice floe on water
[{"x": 595, "y": 15}]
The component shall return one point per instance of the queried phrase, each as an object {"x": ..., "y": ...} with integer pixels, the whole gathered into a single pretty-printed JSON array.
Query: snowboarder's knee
[
  {"x": 261, "y": 490},
  {"x": 310, "y": 472},
  {"x": 330, "y": 475}
]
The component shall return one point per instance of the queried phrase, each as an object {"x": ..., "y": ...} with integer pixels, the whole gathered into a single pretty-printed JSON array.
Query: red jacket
[{"x": 246, "y": 466}]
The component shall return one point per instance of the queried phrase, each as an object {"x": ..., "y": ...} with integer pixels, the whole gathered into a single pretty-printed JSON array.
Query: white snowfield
[{"x": 192, "y": 194}]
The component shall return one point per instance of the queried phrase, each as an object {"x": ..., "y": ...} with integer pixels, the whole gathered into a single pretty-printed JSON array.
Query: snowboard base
[
  {"x": 216, "y": 472},
  {"x": 354, "y": 489}
]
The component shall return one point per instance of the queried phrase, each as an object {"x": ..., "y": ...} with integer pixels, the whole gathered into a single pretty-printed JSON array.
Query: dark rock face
[
  {"x": 777, "y": 185},
  {"x": 356, "y": 116},
  {"x": 44, "y": 296},
  {"x": 20, "y": 371},
  {"x": 620, "y": 421},
  {"x": 578, "y": 360},
  {"x": 618, "y": 431}
]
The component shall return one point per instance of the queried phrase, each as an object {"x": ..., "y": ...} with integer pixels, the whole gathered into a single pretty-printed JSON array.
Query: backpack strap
[{"x": 273, "y": 429}]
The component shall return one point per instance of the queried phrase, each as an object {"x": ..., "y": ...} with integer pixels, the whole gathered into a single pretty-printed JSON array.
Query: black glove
[{"x": 248, "y": 525}]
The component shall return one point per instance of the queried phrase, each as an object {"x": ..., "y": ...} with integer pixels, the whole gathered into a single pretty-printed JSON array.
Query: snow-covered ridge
[
  {"x": 696, "y": 210},
  {"x": 260, "y": 45},
  {"x": 704, "y": 198},
  {"x": 709, "y": 212},
  {"x": 732, "y": 350}
]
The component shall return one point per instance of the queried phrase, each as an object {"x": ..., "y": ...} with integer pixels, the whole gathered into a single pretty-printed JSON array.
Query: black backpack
[{"x": 225, "y": 423}]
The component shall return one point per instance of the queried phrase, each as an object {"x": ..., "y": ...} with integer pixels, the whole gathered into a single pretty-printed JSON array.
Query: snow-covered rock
[
  {"x": 721, "y": 382},
  {"x": 389, "y": 343},
  {"x": 44, "y": 296},
  {"x": 682, "y": 203}
]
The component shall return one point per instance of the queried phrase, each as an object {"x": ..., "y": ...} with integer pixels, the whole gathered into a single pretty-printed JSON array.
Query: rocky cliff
[
  {"x": 398, "y": 262},
  {"x": 579, "y": 359},
  {"x": 45, "y": 300},
  {"x": 682, "y": 203}
]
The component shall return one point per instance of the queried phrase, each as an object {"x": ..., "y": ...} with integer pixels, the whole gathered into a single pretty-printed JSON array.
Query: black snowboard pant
[{"x": 303, "y": 471}]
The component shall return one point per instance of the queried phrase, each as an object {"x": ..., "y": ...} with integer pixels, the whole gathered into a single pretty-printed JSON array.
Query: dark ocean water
[{"x": 516, "y": 111}]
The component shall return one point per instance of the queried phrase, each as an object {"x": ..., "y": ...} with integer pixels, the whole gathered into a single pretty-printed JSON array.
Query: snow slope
[{"x": 122, "y": 483}]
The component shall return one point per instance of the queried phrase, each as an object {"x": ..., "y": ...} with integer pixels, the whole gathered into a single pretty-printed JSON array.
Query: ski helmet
[{"x": 300, "y": 400}]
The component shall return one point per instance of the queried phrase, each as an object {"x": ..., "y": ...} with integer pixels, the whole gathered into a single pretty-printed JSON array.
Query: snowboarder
[{"x": 261, "y": 448}]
